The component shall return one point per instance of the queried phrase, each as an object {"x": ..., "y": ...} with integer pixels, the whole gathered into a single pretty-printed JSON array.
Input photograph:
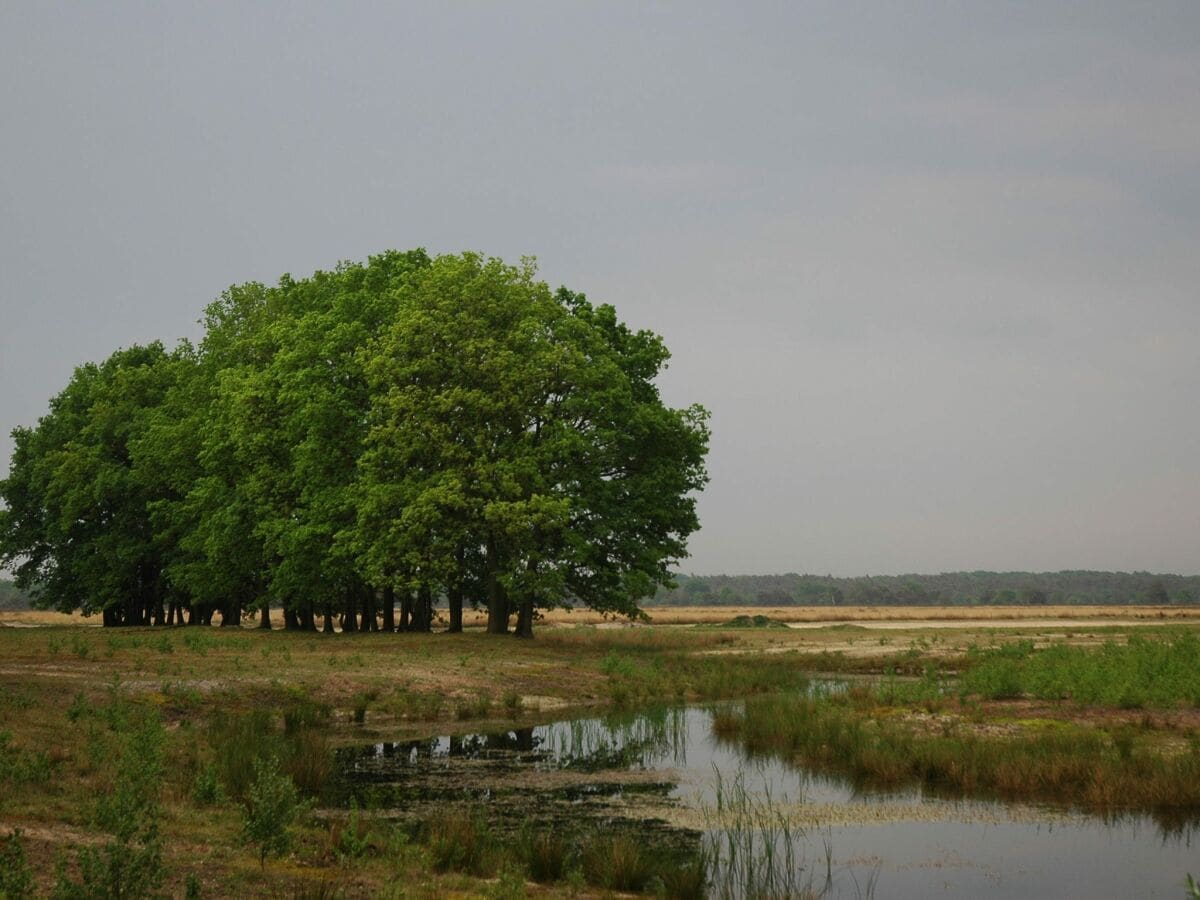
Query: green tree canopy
[{"x": 441, "y": 426}]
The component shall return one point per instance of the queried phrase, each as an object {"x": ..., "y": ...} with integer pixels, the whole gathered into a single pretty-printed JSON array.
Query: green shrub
[
  {"x": 130, "y": 864},
  {"x": 206, "y": 789},
  {"x": 271, "y": 808}
]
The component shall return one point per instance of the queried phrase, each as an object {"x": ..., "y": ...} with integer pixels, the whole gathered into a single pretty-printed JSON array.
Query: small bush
[
  {"x": 79, "y": 646},
  {"x": 352, "y": 840},
  {"x": 272, "y": 806},
  {"x": 206, "y": 789}
]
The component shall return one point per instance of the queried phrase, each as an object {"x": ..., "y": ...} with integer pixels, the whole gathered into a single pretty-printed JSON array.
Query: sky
[{"x": 934, "y": 268}]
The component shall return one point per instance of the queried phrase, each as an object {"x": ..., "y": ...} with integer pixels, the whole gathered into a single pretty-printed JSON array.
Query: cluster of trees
[
  {"x": 394, "y": 433},
  {"x": 945, "y": 589}
]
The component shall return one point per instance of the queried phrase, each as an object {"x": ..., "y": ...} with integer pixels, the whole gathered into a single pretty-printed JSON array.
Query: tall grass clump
[
  {"x": 751, "y": 847},
  {"x": 301, "y": 748},
  {"x": 546, "y": 854},
  {"x": 618, "y": 861},
  {"x": 460, "y": 840},
  {"x": 854, "y": 736}
]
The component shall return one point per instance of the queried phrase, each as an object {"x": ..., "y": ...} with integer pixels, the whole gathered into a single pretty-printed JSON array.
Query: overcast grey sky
[{"x": 935, "y": 270}]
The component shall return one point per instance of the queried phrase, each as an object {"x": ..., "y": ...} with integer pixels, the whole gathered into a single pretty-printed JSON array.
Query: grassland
[{"x": 214, "y": 700}]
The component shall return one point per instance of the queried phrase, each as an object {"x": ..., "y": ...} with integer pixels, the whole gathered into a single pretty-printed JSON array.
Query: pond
[{"x": 664, "y": 773}]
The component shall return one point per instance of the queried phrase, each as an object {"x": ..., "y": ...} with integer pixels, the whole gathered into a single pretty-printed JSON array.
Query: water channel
[{"x": 658, "y": 771}]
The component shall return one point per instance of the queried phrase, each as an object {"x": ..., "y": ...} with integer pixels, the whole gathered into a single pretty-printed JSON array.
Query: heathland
[{"x": 203, "y": 761}]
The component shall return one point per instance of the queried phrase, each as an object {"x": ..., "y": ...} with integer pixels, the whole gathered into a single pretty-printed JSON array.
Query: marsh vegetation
[{"x": 211, "y": 762}]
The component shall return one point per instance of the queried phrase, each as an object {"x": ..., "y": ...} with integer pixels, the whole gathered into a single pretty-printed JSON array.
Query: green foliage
[
  {"x": 272, "y": 806},
  {"x": 130, "y": 864},
  {"x": 206, "y": 788},
  {"x": 1145, "y": 672},
  {"x": 437, "y": 426},
  {"x": 77, "y": 529},
  {"x": 16, "y": 877},
  {"x": 354, "y": 838},
  {"x": 21, "y": 766}
]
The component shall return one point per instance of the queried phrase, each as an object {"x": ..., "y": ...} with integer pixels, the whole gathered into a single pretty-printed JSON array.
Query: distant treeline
[
  {"x": 12, "y": 597},
  {"x": 946, "y": 589}
]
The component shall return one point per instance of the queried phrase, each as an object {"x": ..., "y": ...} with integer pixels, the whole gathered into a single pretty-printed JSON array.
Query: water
[{"x": 663, "y": 766}]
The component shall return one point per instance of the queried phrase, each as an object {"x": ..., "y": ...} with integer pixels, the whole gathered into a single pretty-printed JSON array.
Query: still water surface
[{"x": 664, "y": 764}]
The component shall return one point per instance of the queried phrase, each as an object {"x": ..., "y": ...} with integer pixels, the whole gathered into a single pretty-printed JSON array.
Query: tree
[
  {"x": 522, "y": 428},
  {"x": 77, "y": 528},
  {"x": 272, "y": 805},
  {"x": 445, "y": 427}
]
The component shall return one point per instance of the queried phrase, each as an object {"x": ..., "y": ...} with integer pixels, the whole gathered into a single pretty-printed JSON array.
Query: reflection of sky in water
[{"x": 974, "y": 850}]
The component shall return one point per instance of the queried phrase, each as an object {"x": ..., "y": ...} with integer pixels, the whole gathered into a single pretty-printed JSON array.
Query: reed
[{"x": 855, "y": 736}]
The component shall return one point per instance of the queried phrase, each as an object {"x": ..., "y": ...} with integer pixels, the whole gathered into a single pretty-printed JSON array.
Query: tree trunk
[
  {"x": 231, "y": 615},
  {"x": 422, "y": 617},
  {"x": 525, "y": 607},
  {"x": 370, "y": 620},
  {"x": 389, "y": 609},
  {"x": 406, "y": 611},
  {"x": 264, "y": 616},
  {"x": 525, "y": 617},
  {"x": 497, "y": 603},
  {"x": 308, "y": 622},
  {"x": 455, "y": 598},
  {"x": 328, "y": 628},
  {"x": 291, "y": 622},
  {"x": 350, "y": 615}
]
